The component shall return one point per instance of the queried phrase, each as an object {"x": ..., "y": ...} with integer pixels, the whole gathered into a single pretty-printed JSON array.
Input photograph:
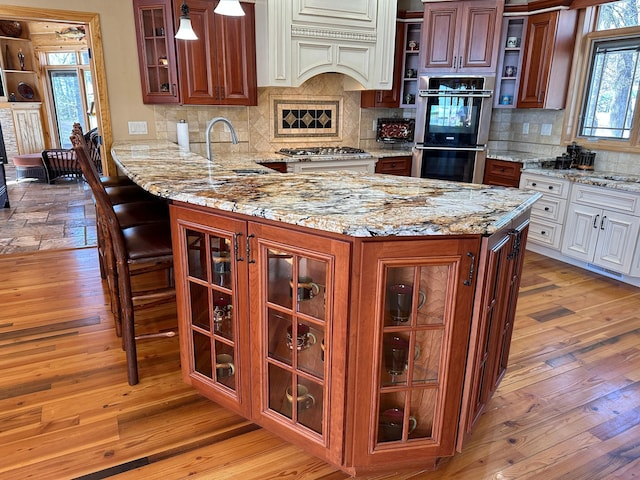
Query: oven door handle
[{"x": 477, "y": 148}]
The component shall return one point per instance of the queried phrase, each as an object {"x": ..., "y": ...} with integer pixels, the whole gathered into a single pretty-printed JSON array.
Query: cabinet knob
[
  {"x": 534, "y": 184},
  {"x": 550, "y": 187},
  {"x": 546, "y": 209},
  {"x": 393, "y": 165},
  {"x": 543, "y": 232}
]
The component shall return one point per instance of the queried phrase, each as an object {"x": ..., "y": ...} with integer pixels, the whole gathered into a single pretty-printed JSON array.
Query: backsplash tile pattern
[
  {"x": 294, "y": 120},
  {"x": 506, "y": 133}
]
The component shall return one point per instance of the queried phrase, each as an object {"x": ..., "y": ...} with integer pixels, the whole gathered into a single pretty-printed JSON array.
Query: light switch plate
[
  {"x": 525, "y": 128},
  {"x": 138, "y": 128},
  {"x": 545, "y": 129}
]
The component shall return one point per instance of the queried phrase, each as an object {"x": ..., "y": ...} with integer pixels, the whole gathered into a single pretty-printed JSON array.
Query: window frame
[{"x": 576, "y": 100}]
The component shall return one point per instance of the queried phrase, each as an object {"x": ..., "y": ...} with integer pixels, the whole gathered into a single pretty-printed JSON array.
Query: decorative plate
[{"x": 25, "y": 91}]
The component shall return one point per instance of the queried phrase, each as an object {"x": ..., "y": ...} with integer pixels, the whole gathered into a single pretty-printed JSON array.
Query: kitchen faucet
[{"x": 212, "y": 122}]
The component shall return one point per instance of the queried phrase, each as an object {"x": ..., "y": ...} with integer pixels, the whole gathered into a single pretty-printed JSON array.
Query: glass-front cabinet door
[
  {"x": 212, "y": 274},
  {"x": 416, "y": 305},
  {"x": 299, "y": 325}
]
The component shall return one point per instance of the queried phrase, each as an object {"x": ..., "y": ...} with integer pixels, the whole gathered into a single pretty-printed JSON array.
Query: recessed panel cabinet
[
  {"x": 547, "y": 56},
  {"x": 461, "y": 36},
  {"x": 356, "y": 349},
  {"x": 217, "y": 69}
]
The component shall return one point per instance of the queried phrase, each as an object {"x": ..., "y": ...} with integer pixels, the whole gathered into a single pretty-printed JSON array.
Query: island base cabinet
[
  {"x": 416, "y": 300},
  {"x": 373, "y": 354},
  {"x": 495, "y": 305}
]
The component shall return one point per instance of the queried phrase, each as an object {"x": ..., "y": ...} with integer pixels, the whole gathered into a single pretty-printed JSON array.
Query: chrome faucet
[{"x": 212, "y": 122}]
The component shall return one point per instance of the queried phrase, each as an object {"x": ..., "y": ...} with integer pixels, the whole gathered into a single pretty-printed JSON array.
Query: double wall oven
[{"x": 452, "y": 127}]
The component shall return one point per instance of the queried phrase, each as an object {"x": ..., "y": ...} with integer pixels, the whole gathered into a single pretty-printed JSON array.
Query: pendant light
[
  {"x": 185, "y": 32},
  {"x": 231, "y": 8}
]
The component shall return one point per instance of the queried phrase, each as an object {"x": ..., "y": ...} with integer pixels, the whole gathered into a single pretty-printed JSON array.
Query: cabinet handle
[
  {"x": 604, "y": 217},
  {"x": 517, "y": 243},
  {"x": 249, "y": 259},
  {"x": 236, "y": 249},
  {"x": 221, "y": 93},
  {"x": 393, "y": 165},
  {"x": 543, "y": 232},
  {"x": 595, "y": 220},
  {"x": 174, "y": 89},
  {"x": 472, "y": 268},
  {"x": 455, "y": 61}
]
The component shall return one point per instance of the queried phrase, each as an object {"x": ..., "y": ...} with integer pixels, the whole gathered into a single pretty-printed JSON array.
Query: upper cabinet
[
  {"x": 156, "y": 51},
  {"x": 461, "y": 36},
  {"x": 388, "y": 98},
  {"x": 217, "y": 69},
  {"x": 304, "y": 38},
  {"x": 547, "y": 56}
]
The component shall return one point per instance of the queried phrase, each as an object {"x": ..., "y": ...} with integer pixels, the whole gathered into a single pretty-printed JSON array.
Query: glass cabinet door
[
  {"x": 211, "y": 294},
  {"x": 416, "y": 304},
  {"x": 296, "y": 326},
  {"x": 298, "y": 316}
]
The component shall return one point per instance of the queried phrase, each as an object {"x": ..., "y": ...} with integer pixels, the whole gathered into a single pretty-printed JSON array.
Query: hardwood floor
[{"x": 568, "y": 407}]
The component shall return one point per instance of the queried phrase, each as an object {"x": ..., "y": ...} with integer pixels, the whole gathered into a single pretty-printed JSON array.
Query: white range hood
[{"x": 299, "y": 39}]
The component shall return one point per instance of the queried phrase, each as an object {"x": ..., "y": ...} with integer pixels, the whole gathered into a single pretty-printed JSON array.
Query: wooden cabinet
[
  {"x": 461, "y": 36},
  {"x": 27, "y": 122},
  {"x": 547, "y": 56},
  {"x": 277, "y": 166},
  {"x": 217, "y": 69},
  {"x": 502, "y": 172},
  {"x": 356, "y": 349},
  {"x": 602, "y": 227},
  {"x": 501, "y": 267},
  {"x": 410, "y": 61},
  {"x": 20, "y": 81},
  {"x": 548, "y": 213},
  {"x": 510, "y": 62},
  {"x": 395, "y": 165},
  {"x": 156, "y": 51},
  {"x": 411, "y": 345},
  {"x": 388, "y": 98}
]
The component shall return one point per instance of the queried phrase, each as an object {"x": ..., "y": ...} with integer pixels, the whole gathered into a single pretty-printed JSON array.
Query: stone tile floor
[{"x": 46, "y": 217}]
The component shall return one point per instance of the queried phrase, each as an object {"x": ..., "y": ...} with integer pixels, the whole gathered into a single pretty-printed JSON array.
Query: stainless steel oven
[{"x": 452, "y": 127}]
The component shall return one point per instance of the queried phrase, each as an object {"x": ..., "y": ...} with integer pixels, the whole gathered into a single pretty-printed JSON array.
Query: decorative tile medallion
[{"x": 310, "y": 119}]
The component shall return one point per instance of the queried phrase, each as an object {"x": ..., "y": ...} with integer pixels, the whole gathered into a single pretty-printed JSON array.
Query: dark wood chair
[
  {"x": 60, "y": 163},
  {"x": 129, "y": 252}
]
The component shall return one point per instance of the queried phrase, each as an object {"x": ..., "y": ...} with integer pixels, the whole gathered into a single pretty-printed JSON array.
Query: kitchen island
[{"x": 364, "y": 317}]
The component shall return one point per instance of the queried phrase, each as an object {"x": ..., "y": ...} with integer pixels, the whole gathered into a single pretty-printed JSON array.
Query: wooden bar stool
[{"x": 129, "y": 252}]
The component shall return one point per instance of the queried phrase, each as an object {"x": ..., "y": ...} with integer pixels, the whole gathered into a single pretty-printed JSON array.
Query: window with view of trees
[{"x": 612, "y": 77}]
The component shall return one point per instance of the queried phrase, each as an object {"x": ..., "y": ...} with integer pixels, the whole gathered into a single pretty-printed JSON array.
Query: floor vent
[{"x": 598, "y": 268}]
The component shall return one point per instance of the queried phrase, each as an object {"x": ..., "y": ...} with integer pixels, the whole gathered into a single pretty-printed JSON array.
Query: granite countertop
[
  {"x": 528, "y": 160},
  {"x": 350, "y": 203},
  {"x": 618, "y": 181},
  {"x": 266, "y": 157}
]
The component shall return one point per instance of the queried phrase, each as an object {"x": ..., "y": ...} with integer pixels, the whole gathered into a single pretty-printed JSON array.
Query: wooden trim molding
[
  {"x": 544, "y": 4},
  {"x": 94, "y": 41}
]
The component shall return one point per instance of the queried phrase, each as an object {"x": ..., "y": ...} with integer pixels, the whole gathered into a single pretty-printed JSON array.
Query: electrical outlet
[
  {"x": 375, "y": 125},
  {"x": 138, "y": 128},
  {"x": 545, "y": 129},
  {"x": 525, "y": 128}
]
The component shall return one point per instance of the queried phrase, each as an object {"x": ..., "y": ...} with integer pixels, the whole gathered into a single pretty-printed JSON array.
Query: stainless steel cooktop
[{"x": 324, "y": 152}]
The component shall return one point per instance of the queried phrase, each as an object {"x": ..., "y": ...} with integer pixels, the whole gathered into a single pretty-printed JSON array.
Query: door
[
  {"x": 581, "y": 232},
  {"x": 298, "y": 330},
  {"x": 212, "y": 292},
  {"x": 411, "y": 353},
  {"x": 616, "y": 240}
]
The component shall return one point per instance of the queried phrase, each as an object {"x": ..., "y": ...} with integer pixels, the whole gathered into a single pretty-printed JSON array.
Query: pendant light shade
[
  {"x": 185, "y": 30},
  {"x": 231, "y": 8}
]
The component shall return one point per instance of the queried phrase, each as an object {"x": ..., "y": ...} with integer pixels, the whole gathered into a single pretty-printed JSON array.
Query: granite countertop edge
[
  {"x": 344, "y": 202},
  {"x": 617, "y": 181}
]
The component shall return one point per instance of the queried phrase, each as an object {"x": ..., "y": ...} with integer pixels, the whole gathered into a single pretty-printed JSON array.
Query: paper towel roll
[{"x": 183, "y": 134}]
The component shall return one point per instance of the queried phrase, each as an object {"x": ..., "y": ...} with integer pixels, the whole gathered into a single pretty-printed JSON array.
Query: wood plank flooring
[{"x": 568, "y": 408}]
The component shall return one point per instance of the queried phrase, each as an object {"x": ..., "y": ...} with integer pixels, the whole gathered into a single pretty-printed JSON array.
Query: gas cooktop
[{"x": 324, "y": 152}]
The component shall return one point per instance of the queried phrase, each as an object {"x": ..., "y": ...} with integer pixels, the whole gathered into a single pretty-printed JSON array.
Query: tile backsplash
[
  {"x": 507, "y": 133},
  {"x": 321, "y": 112}
]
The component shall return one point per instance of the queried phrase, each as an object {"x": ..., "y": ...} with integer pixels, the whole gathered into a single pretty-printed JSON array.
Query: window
[
  {"x": 608, "y": 98},
  {"x": 612, "y": 89},
  {"x": 71, "y": 87}
]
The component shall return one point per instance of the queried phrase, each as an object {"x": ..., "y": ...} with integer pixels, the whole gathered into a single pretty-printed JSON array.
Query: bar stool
[{"x": 129, "y": 252}]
